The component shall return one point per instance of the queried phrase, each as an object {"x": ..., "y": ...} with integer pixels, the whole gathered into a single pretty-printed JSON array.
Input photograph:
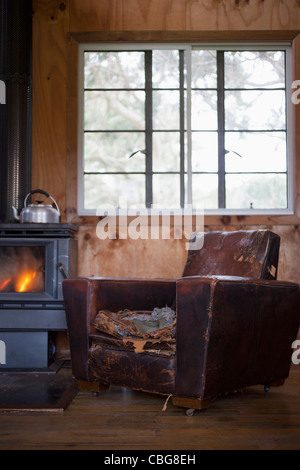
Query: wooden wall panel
[
  {"x": 130, "y": 258},
  {"x": 118, "y": 15},
  {"x": 296, "y": 109},
  {"x": 50, "y": 27},
  {"x": 205, "y": 15},
  {"x": 166, "y": 258},
  {"x": 57, "y": 26}
]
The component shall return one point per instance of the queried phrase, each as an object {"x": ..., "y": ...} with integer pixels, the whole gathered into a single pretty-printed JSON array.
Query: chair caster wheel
[
  {"x": 266, "y": 388},
  {"x": 190, "y": 412}
]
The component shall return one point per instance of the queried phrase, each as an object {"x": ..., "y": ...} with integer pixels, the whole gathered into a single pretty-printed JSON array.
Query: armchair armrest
[
  {"x": 84, "y": 297},
  {"x": 233, "y": 332}
]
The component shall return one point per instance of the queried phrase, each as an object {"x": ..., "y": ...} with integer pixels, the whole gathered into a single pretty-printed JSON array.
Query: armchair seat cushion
[{"x": 139, "y": 331}]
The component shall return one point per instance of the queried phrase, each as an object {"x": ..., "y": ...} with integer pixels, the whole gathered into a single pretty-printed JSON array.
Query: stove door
[{"x": 28, "y": 269}]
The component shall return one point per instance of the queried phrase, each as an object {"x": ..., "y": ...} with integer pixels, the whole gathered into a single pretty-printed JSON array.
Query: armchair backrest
[{"x": 246, "y": 253}]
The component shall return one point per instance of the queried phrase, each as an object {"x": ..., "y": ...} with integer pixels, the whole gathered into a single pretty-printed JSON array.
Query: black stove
[{"x": 34, "y": 260}]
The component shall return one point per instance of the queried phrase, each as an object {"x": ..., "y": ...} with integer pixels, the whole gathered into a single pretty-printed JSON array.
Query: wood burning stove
[{"x": 34, "y": 259}]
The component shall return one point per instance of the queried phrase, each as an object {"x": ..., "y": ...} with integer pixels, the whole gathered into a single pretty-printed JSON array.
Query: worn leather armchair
[{"x": 234, "y": 324}]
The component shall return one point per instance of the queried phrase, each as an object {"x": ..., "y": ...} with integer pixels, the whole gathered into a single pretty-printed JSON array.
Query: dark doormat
[{"x": 37, "y": 392}]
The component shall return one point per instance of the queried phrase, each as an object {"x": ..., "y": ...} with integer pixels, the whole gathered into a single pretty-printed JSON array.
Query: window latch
[{"x": 137, "y": 151}]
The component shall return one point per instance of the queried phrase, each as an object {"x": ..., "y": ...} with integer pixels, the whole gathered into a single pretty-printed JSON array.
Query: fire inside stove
[{"x": 22, "y": 269}]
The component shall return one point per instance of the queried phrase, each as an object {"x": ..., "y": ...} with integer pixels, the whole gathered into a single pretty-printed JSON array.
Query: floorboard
[{"x": 121, "y": 419}]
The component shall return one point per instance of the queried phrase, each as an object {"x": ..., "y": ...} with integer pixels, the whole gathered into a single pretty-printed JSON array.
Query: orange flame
[
  {"x": 24, "y": 281},
  {"x": 4, "y": 283}
]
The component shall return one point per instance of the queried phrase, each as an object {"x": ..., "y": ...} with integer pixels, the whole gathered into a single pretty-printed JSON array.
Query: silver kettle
[{"x": 38, "y": 213}]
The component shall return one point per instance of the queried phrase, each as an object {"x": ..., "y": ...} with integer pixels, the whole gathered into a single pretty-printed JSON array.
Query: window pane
[
  {"x": 110, "y": 151},
  {"x": 204, "y": 69},
  {"x": 166, "y": 109},
  {"x": 259, "y": 151},
  {"x": 251, "y": 69},
  {"x": 166, "y": 151},
  {"x": 165, "y": 69},
  {"x": 256, "y": 191},
  {"x": 166, "y": 191},
  {"x": 205, "y": 191},
  {"x": 112, "y": 190},
  {"x": 123, "y": 69},
  {"x": 114, "y": 129},
  {"x": 204, "y": 110},
  {"x": 114, "y": 110},
  {"x": 204, "y": 151},
  {"x": 254, "y": 109}
]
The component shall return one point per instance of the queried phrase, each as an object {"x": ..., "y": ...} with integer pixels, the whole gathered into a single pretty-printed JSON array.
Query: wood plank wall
[{"x": 58, "y": 26}]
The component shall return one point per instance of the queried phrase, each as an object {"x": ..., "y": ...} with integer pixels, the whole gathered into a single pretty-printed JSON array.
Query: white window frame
[{"x": 286, "y": 46}]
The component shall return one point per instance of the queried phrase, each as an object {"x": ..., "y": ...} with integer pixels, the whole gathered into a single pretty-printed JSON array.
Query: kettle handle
[{"x": 41, "y": 191}]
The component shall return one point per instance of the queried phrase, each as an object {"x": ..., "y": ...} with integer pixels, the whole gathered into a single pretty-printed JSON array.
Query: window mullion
[
  {"x": 221, "y": 128},
  {"x": 149, "y": 127},
  {"x": 182, "y": 120},
  {"x": 189, "y": 124}
]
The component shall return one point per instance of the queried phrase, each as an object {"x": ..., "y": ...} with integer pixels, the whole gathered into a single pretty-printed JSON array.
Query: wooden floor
[{"x": 121, "y": 419}]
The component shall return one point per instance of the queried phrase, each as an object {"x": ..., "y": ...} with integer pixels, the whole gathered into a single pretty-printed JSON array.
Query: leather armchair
[{"x": 235, "y": 324}]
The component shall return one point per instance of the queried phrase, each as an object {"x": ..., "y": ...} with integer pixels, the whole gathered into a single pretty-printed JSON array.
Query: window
[{"x": 170, "y": 126}]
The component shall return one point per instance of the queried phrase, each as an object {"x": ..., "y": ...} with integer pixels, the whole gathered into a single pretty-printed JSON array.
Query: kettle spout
[{"x": 16, "y": 216}]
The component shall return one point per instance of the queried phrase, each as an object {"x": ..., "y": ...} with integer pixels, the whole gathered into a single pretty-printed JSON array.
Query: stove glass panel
[{"x": 22, "y": 269}]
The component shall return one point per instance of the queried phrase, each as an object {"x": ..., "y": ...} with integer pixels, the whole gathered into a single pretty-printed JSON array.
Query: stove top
[{"x": 40, "y": 230}]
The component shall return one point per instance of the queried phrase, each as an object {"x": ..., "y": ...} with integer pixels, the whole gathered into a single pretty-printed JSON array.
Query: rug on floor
[{"x": 37, "y": 391}]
